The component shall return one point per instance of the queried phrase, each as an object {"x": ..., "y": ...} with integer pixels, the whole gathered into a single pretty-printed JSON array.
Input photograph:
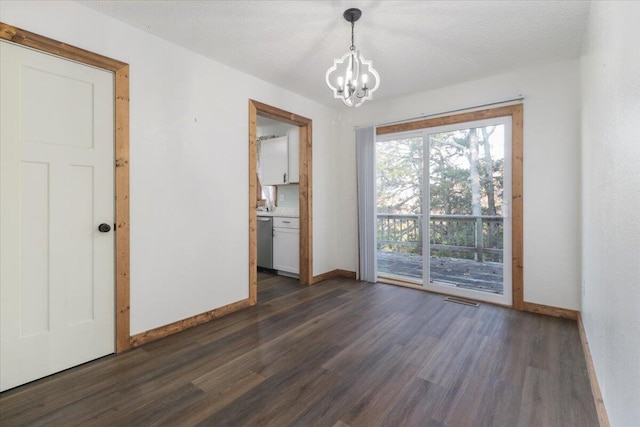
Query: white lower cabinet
[{"x": 286, "y": 244}]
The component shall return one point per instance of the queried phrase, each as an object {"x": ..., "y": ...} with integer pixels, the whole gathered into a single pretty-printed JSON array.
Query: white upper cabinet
[
  {"x": 294, "y": 155},
  {"x": 279, "y": 159},
  {"x": 274, "y": 161}
]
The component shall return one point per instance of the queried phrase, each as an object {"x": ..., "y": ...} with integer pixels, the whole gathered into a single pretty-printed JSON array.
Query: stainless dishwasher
[{"x": 265, "y": 242}]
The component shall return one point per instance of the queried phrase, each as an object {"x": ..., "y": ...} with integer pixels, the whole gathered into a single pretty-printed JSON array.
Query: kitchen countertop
[{"x": 281, "y": 212}]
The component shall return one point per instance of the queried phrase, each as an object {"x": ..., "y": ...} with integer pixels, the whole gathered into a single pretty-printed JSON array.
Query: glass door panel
[
  {"x": 468, "y": 223},
  {"x": 400, "y": 199}
]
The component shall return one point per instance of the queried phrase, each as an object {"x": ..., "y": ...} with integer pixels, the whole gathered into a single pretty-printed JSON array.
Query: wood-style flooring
[{"x": 340, "y": 353}]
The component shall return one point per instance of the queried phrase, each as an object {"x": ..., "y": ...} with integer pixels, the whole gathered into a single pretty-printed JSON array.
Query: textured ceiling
[{"x": 414, "y": 45}]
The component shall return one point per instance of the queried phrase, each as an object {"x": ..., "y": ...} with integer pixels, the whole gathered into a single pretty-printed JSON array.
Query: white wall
[
  {"x": 551, "y": 169},
  {"x": 189, "y": 163},
  {"x": 611, "y": 204}
]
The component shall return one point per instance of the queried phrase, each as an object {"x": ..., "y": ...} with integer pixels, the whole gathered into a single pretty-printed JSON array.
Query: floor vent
[{"x": 462, "y": 301}]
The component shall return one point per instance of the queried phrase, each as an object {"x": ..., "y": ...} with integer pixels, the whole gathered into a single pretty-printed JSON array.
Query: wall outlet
[{"x": 281, "y": 197}]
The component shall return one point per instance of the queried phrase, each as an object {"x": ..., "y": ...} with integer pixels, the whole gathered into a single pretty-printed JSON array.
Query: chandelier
[{"x": 352, "y": 78}]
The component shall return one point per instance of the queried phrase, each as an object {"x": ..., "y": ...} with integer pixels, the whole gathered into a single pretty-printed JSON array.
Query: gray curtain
[{"x": 366, "y": 167}]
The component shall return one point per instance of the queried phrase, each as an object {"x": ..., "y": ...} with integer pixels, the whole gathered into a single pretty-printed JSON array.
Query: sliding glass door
[
  {"x": 468, "y": 225},
  {"x": 400, "y": 201},
  {"x": 444, "y": 192}
]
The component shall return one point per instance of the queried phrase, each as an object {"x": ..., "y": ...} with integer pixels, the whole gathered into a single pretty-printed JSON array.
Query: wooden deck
[{"x": 463, "y": 273}]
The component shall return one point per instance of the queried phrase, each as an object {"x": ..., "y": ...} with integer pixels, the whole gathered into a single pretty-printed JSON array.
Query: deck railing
[{"x": 461, "y": 236}]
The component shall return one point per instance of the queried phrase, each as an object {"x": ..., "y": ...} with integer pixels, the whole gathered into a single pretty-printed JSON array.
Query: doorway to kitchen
[{"x": 298, "y": 134}]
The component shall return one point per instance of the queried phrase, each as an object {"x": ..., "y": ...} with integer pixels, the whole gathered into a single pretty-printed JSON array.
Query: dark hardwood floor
[
  {"x": 340, "y": 353},
  {"x": 272, "y": 286}
]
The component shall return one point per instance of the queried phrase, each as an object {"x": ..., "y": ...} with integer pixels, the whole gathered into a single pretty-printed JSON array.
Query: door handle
[{"x": 104, "y": 228}]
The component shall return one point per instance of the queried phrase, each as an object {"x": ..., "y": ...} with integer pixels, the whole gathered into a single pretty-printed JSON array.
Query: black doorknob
[{"x": 104, "y": 228}]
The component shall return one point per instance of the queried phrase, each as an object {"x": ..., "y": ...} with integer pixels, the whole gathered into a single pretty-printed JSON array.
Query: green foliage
[
  {"x": 400, "y": 173},
  {"x": 399, "y": 176},
  {"x": 465, "y": 176},
  {"x": 449, "y": 188}
]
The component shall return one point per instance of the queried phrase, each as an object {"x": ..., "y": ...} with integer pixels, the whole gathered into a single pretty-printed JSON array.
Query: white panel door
[{"x": 57, "y": 306}]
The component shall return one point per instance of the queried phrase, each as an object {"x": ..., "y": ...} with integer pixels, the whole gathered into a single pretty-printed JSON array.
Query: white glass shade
[{"x": 352, "y": 79}]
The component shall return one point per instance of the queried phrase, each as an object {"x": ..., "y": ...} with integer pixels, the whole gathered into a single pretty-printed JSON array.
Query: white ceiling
[{"x": 414, "y": 45}]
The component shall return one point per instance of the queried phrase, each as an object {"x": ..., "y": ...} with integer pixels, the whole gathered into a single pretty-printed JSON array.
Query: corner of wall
[{"x": 610, "y": 224}]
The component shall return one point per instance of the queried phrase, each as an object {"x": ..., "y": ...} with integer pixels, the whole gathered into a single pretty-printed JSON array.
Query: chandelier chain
[{"x": 353, "y": 46}]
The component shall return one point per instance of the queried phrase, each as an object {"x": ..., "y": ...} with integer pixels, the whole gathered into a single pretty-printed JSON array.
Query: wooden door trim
[
  {"x": 121, "y": 151},
  {"x": 516, "y": 114},
  {"x": 306, "y": 222}
]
